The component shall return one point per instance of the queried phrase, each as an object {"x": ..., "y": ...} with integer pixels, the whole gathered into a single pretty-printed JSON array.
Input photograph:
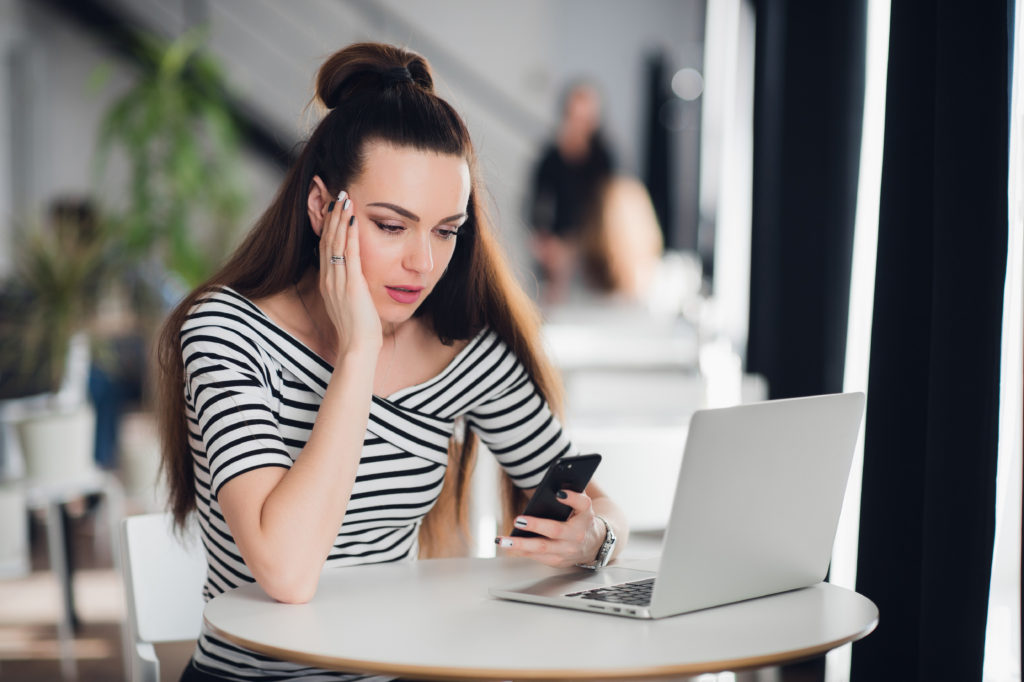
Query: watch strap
[{"x": 604, "y": 553}]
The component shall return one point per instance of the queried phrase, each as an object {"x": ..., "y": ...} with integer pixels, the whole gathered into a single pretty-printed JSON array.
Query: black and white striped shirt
[{"x": 252, "y": 392}]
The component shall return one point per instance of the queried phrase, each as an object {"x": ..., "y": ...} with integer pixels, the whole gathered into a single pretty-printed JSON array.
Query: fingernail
[
  {"x": 330, "y": 207},
  {"x": 348, "y": 202},
  {"x": 561, "y": 494},
  {"x": 521, "y": 522},
  {"x": 351, "y": 220},
  {"x": 341, "y": 194},
  {"x": 505, "y": 542}
]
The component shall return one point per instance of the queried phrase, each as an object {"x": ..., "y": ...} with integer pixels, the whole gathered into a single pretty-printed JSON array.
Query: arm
[
  {"x": 519, "y": 429},
  {"x": 285, "y": 521},
  {"x": 542, "y": 200}
]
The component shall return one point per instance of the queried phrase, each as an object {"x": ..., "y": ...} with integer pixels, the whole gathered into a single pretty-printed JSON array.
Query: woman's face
[
  {"x": 410, "y": 205},
  {"x": 583, "y": 110}
]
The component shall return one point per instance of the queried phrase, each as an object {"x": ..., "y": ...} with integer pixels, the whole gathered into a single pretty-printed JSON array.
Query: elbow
[
  {"x": 288, "y": 584},
  {"x": 290, "y": 594}
]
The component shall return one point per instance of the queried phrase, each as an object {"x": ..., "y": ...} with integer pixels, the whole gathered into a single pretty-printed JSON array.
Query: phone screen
[{"x": 567, "y": 473}]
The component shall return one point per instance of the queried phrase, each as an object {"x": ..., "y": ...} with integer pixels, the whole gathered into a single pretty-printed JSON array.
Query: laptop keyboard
[{"x": 636, "y": 593}]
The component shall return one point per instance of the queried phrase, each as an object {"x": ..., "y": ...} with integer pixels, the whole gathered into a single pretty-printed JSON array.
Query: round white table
[{"x": 435, "y": 620}]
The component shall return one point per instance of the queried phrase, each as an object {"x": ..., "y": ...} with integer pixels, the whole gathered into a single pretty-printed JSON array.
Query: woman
[
  {"x": 316, "y": 388},
  {"x": 567, "y": 184}
]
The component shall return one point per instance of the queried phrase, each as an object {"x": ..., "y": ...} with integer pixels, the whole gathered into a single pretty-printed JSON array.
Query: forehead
[
  {"x": 583, "y": 96},
  {"x": 413, "y": 178}
]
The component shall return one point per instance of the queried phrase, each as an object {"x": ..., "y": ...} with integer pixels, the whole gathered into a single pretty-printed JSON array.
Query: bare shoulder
[{"x": 284, "y": 310}]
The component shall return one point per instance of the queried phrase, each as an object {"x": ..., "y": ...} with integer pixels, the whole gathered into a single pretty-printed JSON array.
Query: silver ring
[{"x": 337, "y": 260}]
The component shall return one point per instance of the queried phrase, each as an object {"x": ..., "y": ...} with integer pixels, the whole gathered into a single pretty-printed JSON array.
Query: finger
[
  {"x": 557, "y": 530},
  {"x": 518, "y": 546},
  {"x": 352, "y": 257},
  {"x": 331, "y": 221},
  {"x": 545, "y": 551},
  {"x": 580, "y": 502},
  {"x": 341, "y": 214}
]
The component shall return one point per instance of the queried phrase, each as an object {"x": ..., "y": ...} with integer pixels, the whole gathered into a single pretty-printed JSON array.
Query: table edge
[{"x": 462, "y": 673}]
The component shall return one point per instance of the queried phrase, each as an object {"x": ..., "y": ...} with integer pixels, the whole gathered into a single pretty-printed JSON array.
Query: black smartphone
[{"x": 567, "y": 473}]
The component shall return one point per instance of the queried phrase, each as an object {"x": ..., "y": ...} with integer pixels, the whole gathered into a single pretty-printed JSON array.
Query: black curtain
[
  {"x": 659, "y": 170},
  {"x": 928, "y": 502},
  {"x": 808, "y": 108}
]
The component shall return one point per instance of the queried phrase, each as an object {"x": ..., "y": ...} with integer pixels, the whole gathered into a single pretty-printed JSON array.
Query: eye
[
  {"x": 390, "y": 228},
  {"x": 447, "y": 234}
]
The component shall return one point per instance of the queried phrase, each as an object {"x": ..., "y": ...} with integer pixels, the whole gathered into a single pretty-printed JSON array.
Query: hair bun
[
  {"x": 365, "y": 67},
  {"x": 395, "y": 76}
]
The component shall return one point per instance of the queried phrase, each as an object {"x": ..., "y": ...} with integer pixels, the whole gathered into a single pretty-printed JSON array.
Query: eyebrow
[{"x": 412, "y": 216}]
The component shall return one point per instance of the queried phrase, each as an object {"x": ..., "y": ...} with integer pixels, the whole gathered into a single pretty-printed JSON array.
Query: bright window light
[
  {"x": 843, "y": 570},
  {"x": 1002, "y": 635}
]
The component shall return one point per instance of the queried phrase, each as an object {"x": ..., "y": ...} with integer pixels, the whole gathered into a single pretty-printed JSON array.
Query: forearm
[{"x": 292, "y": 532}]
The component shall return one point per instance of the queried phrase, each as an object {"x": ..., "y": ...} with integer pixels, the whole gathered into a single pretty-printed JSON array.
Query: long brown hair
[{"x": 373, "y": 92}]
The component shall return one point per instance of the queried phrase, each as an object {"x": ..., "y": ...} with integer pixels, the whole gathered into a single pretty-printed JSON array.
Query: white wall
[
  {"x": 57, "y": 116},
  {"x": 11, "y": 38},
  {"x": 530, "y": 49},
  {"x": 525, "y": 50}
]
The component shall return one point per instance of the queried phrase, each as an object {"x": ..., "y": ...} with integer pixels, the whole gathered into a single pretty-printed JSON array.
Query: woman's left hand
[{"x": 563, "y": 543}]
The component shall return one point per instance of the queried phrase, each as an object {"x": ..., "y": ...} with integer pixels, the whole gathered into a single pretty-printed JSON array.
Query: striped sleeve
[
  {"x": 230, "y": 402},
  {"x": 515, "y": 422}
]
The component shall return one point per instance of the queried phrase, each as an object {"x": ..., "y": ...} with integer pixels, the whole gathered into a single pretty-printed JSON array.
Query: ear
[{"x": 317, "y": 199}]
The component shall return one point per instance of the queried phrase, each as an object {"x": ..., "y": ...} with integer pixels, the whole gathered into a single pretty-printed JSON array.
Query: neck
[
  {"x": 574, "y": 144},
  {"x": 308, "y": 291},
  {"x": 312, "y": 305}
]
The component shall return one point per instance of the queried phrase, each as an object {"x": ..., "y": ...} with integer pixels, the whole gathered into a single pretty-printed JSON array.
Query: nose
[{"x": 419, "y": 256}]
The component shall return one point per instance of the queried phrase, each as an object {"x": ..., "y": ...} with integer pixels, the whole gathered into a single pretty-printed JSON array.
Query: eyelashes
[
  {"x": 395, "y": 230},
  {"x": 389, "y": 228}
]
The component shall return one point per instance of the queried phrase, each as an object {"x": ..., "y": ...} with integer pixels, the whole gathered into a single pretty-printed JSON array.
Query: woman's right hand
[{"x": 342, "y": 285}]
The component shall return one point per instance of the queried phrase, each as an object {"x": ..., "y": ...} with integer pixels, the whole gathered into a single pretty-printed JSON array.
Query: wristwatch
[{"x": 604, "y": 554}]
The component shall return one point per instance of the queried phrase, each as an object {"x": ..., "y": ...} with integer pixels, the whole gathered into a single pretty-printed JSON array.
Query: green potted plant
[
  {"x": 173, "y": 202},
  {"x": 44, "y": 342},
  {"x": 184, "y": 194}
]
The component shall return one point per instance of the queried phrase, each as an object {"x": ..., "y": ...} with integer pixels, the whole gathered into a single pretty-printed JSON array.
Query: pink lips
[{"x": 404, "y": 294}]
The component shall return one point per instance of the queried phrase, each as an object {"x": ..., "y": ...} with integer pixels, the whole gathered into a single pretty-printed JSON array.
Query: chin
[{"x": 395, "y": 315}]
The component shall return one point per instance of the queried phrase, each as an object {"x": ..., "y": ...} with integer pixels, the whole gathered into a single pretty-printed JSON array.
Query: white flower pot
[
  {"x": 139, "y": 457},
  {"x": 58, "y": 447}
]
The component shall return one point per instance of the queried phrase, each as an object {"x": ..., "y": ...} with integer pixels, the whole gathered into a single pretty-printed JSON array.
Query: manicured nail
[
  {"x": 330, "y": 207},
  {"x": 348, "y": 202},
  {"x": 561, "y": 494},
  {"x": 351, "y": 220},
  {"x": 506, "y": 542},
  {"x": 341, "y": 194},
  {"x": 521, "y": 522}
]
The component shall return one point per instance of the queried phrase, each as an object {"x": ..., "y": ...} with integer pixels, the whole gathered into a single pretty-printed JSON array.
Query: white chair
[{"x": 163, "y": 578}]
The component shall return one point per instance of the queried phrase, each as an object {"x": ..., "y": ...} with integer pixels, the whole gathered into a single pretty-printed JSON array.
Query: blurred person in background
[
  {"x": 587, "y": 219},
  {"x": 621, "y": 245},
  {"x": 566, "y": 186},
  {"x": 313, "y": 389}
]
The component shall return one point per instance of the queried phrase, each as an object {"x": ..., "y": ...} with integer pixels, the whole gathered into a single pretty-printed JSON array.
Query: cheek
[
  {"x": 444, "y": 256},
  {"x": 371, "y": 249}
]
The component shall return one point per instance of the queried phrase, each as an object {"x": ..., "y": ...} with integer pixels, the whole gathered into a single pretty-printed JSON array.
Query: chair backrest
[{"x": 163, "y": 579}]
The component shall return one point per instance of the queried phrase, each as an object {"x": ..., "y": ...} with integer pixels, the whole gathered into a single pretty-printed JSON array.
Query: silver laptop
[{"x": 755, "y": 513}]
